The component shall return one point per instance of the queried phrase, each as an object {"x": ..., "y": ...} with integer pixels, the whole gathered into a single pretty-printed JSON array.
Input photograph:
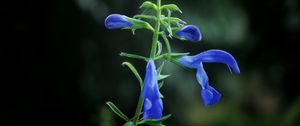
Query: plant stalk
[{"x": 152, "y": 56}]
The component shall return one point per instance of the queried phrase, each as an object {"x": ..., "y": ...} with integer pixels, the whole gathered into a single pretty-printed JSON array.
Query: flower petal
[
  {"x": 156, "y": 110},
  {"x": 201, "y": 76},
  {"x": 208, "y": 93},
  {"x": 211, "y": 56},
  {"x": 115, "y": 21},
  {"x": 148, "y": 104},
  {"x": 210, "y": 96},
  {"x": 190, "y": 32},
  {"x": 153, "y": 106}
]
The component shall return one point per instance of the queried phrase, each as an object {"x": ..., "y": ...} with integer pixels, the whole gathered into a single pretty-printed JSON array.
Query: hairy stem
[
  {"x": 152, "y": 56},
  {"x": 167, "y": 44},
  {"x": 156, "y": 31},
  {"x": 138, "y": 110}
]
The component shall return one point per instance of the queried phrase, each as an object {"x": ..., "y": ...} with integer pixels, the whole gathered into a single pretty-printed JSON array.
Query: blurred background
[{"x": 62, "y": 65}]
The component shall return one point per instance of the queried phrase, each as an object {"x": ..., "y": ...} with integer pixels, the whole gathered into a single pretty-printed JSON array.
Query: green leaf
[
  {"x": 160, "y": 67},
  {"x": 129, "y": 124},
  {"x": 134, "y": 56},
  {"x": 173, "y": 58},
  {"x": 138, "y": 24},
  {"x": 165, "y": 24},
  {"x": 156, "y": 122},
  {"x": 159, "y": 48},
  {"x": 116, "y": 110},
  {"x": 161, "y": 84},
  {"x": 171, "y": 7},
  {"x": 172, "y": 55},
  {"x": 172, "y": 24},
  {"x": 142, "y": 16},
  {"x": 135, "y": 72},
  {"x": 149, "y": 5},
  {"x": 161, "y": 77},
  {"x": 161, "y": 96},
  {"x": 175, "y": 29},
  {"x": 174, "y": 20},
  {"x": 169, "y": 24},
  {"x": 179, "y": 54},
  {"x": 167, "y": 43}
]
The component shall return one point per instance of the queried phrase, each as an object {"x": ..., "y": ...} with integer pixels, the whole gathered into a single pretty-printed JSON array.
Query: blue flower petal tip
[
  {"x": 190, "y": 32},
  {"x": 115, "y": 21},
  {"x": 153, "y": 105},
  {"x": 210, "y": 56},
  {"x": 220, "y": 56},
  {"x": 210, "y": 96}
]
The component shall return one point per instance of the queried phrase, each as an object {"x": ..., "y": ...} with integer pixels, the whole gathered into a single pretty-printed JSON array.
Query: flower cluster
[{"x": 166, "y": 27}]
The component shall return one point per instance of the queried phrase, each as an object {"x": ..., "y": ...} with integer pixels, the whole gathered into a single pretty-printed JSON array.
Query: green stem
[
  {"x": 138, "y": 110},
  {"x": 152, "y": 55},
  {"x": 161, "y": 56},
  {"x": 156, "y": 31},
  {"x": 167, "y": 44}
]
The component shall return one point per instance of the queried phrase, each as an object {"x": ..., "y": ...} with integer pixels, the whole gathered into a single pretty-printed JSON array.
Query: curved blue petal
[
  {"x": 201, "y": 76},
  {"x": 190, "y": 32},
  {"x": 210, "y": 96},
  {"x": 211, "y": 56},
  {"x": 115, "y": 21},
  {"x": 153, "y": 105}
]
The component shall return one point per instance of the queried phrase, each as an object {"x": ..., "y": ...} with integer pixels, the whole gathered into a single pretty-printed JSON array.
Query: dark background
[{"x": 61, "y": 65}]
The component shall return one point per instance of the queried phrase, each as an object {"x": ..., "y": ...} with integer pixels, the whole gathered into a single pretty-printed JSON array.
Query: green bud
[
  {"x": 171, "y": 7},
  {"x": 148, "y": 5}
]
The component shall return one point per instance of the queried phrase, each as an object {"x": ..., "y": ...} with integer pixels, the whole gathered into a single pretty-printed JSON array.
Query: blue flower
[
  {"x": 189, "y": 32},
  {"x": 153, "y": 105},
  {"x": 209, "y": 94},
  {"x": 115, "y": 21}
]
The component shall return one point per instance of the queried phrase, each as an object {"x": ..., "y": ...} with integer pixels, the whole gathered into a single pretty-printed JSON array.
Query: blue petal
[
  {"x": 210, "y": 96},
  {"x": 153, "y": 105},
  {"x": 115, "y": 21},
  {"x": 190, "y": 32},
  {"x": 155, "y": 112},
  {"x": 201, "y": 76},
  {"x": 208, "y": 93},
  {"x": 210, "y": 56}
]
